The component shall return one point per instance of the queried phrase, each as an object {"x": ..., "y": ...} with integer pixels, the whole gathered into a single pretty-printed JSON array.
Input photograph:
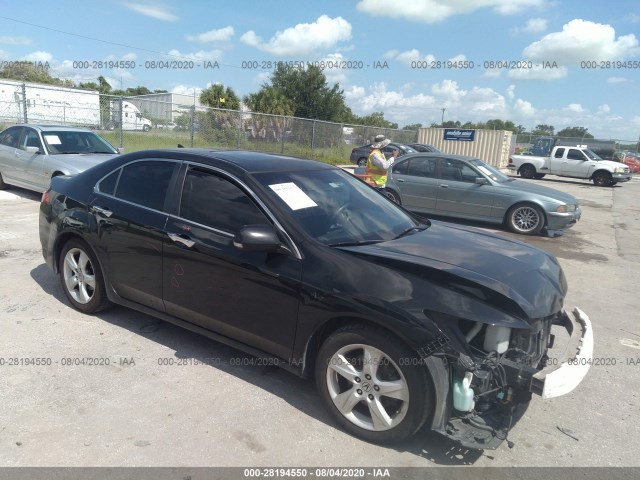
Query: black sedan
[
  {"x": 403, "y": 322},
  {"x": 359, "y": 155},
  {"x": 425, "y": 148}
]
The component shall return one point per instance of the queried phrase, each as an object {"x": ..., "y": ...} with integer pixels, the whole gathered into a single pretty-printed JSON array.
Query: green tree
[
  {"x": 218, "y": 96},
  {"x": 544, "y": 130},
  {"x": 577, "y": 132},
  {"x": 310, "y": 94},
  {"x": 412, "y": 126}
]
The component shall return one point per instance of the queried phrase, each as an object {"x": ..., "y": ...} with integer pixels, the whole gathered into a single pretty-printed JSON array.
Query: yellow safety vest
[{"x": 379, "y": 175}]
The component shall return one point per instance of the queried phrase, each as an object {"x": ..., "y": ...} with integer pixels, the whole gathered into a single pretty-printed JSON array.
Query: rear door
[
  {"x": 31, "y": 165},
  {"x": 416, "y": 179},
  {"x": 249, "y": 296},
  {"x": 9, "y": 163},
  {"x": 129, "y": 211},
  {"x": 459, "y": 195}
]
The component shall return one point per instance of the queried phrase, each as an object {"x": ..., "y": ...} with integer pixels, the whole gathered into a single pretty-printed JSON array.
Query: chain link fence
[{"x": 140, "y": 123}]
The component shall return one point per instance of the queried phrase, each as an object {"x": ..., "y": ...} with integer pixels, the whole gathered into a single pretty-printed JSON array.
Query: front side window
[
  {"x": 575, "y": 154},
  {"x": 458, "y": 171},
  {"x": 145, "y": 183},
  {"x": 214, "y": 201},
  {"x": 30, "y": 139}
]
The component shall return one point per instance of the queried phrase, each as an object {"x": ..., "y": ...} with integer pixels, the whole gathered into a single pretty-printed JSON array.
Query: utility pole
[{"x": 442, "y": 122}]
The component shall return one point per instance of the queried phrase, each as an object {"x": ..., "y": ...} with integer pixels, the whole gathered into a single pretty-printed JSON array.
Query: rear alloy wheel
[
  {"x": 373, "y": 384},
  {"x": 362, "y": 162},
  {"x": 81, "y": 277},
  {"x": 526, "y": 219},
  {"x": 392, "y": 195},
  {"x": 601, "y": 179},
  {"x": 527, "y": 171}
]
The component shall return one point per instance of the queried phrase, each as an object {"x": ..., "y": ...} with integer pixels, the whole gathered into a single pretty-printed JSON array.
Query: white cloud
[
  {"x": 616, "y": 80},
  {"x": 538, "y": 72},
  {"x": 4, "y": 55},
  {"x": 575, "y": 108},
  {"x": 434, "y": 11},
  {"x": 159, "y": 12},
  {"x": 186, "y": 90},
  {"x": 304, "y": 38},
  {"x": 334, "y": 75},
  {"x": 533, "y": 26},
  {"x": 604, "y": 108},
  {"x": 523, "y": 109},
  {"x": 511, "y": 92},
  {"x": 38, "y": 56},
  {"x": 582, "y": 40},
  {"x": 220, "y": 35},
  {"x": 199, "y": 56},
  {"x": 5, "y": 40},
  {"x": 409, "y": 56}
]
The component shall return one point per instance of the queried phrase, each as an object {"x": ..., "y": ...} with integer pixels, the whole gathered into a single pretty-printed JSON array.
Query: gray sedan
[
  {"x": 466, "y": 187},
  {"x": 30, "y": 155}
]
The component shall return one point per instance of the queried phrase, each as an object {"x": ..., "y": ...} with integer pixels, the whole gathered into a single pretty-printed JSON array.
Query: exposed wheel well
[
  {"x": 60, "y": 243},
  {"x": 326, "y": 329},
  {"x": 57, "y": 174}
]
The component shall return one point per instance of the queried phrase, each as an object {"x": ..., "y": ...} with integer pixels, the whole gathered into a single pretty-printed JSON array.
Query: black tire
[
  {"x": 392, "y": 195},
  {"x": 362, "y": 162},
  {"x": 146, "y": 128},
  {"x": 601, "y": 179},
  {"x": 390, "y": 365},
  {"x": 2, "y": 184},
  {"x": 86, "y": 291},
  {"x": 538, "y": 176},
  {"x": 525, "y": 218},
  {"x": 527, "y": 171}
]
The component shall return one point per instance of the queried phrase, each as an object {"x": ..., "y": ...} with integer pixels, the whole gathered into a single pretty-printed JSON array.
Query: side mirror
[
  {"x": 257, "y": 238},
  {"x": 481, "y": 181},
  {"x": 32, "y": 150}
]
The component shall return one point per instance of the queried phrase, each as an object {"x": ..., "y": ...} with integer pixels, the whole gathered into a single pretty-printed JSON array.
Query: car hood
[
  {"x": 79, "y": 162},
  {"x": 527, "y": 275},
  {"x": 609, "y": 164},
  {"x": 534, "y": 188}
]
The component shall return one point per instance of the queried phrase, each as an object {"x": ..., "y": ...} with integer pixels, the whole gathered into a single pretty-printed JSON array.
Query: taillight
[{"x": 45, "y": 198}]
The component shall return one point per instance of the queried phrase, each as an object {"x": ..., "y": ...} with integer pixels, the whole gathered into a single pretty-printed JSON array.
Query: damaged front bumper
[
  {"x": 488, "y": 424},
  {"x": 560, "y": 379}
]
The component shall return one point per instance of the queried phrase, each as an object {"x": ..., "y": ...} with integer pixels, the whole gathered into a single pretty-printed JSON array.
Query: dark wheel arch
[
  {"x": 362, "y": 162},
  {"x": 392, "y": 195},
  {"x": 3, "y": 185}
]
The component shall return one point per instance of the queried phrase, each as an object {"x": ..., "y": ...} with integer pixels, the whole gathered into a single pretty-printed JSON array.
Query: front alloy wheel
[
  {"x": 525, "y": 219},
  {"x": 372, "y": 384}
]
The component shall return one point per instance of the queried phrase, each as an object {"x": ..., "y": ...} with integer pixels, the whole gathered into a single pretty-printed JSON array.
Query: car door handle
[
  {"x": 399, "y": 180},
  {"x": 182, "y": 239},
  {"x": 444, "y": 185},
  {"x": 102, "y": 211}
]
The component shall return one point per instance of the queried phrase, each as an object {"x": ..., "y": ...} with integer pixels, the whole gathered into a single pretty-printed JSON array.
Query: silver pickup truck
[{"x": 574, "y": 162}]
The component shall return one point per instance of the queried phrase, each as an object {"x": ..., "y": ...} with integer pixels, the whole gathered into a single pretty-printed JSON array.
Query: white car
[{"x": 30, "y": 155}]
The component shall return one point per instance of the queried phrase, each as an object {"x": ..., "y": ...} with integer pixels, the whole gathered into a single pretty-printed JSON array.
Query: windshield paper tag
[
  {"x": 293, "y": 196},
  {"x": 53, "y": 140}
]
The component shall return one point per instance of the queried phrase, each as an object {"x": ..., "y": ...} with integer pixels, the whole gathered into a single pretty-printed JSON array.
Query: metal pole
[
  {"x": 313, "y": 137},
  {"x": 192, "y": 126},
  {"x": 121, "y": 117},
  {"x": 239, "y": 126},
  {"x": 24, "y": 103}
]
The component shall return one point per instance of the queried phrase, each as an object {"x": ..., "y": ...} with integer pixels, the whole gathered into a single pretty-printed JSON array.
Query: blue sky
[{"x": 519, "y": 36}]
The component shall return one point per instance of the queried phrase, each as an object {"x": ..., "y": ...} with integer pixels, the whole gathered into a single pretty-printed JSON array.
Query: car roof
[
  {"x": 57, "y": 128},
  {"x": 448, "y": 156},
  {"x": 249, "y": 161}
]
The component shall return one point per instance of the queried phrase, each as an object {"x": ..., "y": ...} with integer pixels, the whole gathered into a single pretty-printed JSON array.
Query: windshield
[
  {"x": 490, "y": 171},
  {"x": 64, "y": 142},
  {"x": 336, "y": 208},
  {"x": 591, "y": 155}
]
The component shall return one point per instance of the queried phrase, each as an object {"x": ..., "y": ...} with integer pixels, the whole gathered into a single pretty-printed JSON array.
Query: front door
[
  {"x": 459, "y": 194},
  {"x": 249, "y": 296}
]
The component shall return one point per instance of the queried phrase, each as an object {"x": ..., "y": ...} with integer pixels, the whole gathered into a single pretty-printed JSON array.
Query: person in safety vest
[{"x": 377, "y": 163}]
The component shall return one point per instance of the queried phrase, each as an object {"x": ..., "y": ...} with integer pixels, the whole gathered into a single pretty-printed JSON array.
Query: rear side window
[
  {"x": 145, "y": 183},
  {"x": 108, "y": 185},
  {"x": 10, "y": 137},
  {"x": 216, "y": 202},
  {"x": 559, "y": 152}
]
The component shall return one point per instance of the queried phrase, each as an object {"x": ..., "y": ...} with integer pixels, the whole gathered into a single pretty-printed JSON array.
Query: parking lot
[{"x": 150, "y": 394}]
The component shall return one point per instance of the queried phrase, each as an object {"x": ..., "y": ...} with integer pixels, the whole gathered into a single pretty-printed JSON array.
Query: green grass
[{"x": 135, "y": 141}]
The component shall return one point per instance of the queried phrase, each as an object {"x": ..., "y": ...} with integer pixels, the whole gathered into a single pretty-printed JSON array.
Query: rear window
[{"x": 145, "y": 183}]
